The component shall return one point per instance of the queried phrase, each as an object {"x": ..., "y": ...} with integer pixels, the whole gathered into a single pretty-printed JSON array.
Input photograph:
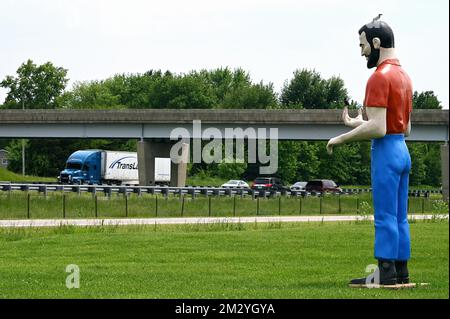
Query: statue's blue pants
[{"x": 390, "y": 168}]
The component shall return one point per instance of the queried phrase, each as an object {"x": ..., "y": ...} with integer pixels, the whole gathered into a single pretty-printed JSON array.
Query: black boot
[
  {"x": 387, "y": 273},
  {"x": 401, "y": 266}
]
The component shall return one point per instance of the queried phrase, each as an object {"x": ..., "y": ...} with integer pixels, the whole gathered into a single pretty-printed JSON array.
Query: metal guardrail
[
  {"x": 188, "y": 190},
  {"x": 413, "y": 193},
  {"x": 124, "y": 189}
]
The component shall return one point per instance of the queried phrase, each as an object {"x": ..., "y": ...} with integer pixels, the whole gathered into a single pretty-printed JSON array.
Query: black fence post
[
  {"x": 209, "y": 206},
  {"x": 64, "y": 206},
  {"x": 320, "y": 204},
  {"x": 92, "y": 190},
  {"x": 423, "y": 205},
  {"x": 28, "y": 205},
  {"x": 182, "y": 205},
  {"x": 300, "y": 206},
  {"x": 357, "y": 205},
  {"x": 96, "y": 206},
  {"x": 340, "y": 208},
  {"x": 279, "y": 205},
  {"x": 126, "y": 204},
  {"x": 156, "y": 205},
  {"x": 257, "y": 206}
]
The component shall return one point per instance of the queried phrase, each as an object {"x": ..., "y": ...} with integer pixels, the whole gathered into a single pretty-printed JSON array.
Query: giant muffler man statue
[{"x": 388, "y": 105}]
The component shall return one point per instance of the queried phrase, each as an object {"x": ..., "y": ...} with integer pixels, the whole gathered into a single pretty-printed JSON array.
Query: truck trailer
[
  {"x": 162, "y": 170},
  {"x": 100, "y": 167},
  {"x": 109, "y": 167}
]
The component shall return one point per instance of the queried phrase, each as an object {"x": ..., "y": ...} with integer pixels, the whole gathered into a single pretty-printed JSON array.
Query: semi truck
[{"x": 109, "y": 167}]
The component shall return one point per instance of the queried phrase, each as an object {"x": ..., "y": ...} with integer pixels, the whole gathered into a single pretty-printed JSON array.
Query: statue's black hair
[{"x": 381, "y": 30}]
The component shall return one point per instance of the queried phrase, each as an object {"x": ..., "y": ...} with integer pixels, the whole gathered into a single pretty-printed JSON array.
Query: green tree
[
  {"x": 182, "y": 92},
  {"x": 308, "y": 90},
  {"x": 307, "y": 161},
  {"x": 288, "y": 160},
  {"x": 224, "y": 80},
  {"x": 231, "y": 170},
  {"x": 343, "y": 166},
  {"x": 432, "y": 162},
  {"x": 14, "y": 149},
  {"x": 418, "y": 166},
  {"x": 254, "y": 96},
  {"x": 426, "y": 100},
  {"x": 234, "y": 89},
  {"x": 88, "y": 95},
  {"x": 218, "y": 88},
  {"x": 363, "y": 176},
  {"x": 336, "y": 92},
  {"x": 35, "y": 87}
]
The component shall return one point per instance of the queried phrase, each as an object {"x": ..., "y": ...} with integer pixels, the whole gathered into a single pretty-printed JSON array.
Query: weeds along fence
[{"x": 22, "y": 205}]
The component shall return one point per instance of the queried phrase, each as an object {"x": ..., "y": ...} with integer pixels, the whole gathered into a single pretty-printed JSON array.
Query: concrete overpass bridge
[{"x": 153, "y": 127}]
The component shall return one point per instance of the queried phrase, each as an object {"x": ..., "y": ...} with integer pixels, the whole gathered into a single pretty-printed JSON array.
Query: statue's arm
[
  {"x": 408, "y": 129},
  {"x": 374, "y": 127},
  {"x": 352, "y": 122}
]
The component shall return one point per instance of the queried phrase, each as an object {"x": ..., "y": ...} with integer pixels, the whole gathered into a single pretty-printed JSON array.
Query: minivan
[
  {"x": 322, "y": 186},
  {"x": 268, "y": 183}
]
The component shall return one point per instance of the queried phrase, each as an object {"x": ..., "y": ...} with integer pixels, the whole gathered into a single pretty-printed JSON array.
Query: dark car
[
  {"x": 322, "y": 186},
  {"x": 268, "y": 183}
]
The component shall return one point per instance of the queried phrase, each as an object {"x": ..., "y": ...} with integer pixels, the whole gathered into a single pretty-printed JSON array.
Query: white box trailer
[
  {"x": 120, "y": 166},
  {"x": 162, "y": 170}
]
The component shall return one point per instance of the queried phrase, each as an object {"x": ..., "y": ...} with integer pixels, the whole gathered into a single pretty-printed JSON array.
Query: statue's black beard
[{"x": 373, "y": 58}]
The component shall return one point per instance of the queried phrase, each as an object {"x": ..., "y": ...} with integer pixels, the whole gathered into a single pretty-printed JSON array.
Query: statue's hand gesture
[
  {"x": 332, "y": 143},
  {"x": 352, "y": 122}
]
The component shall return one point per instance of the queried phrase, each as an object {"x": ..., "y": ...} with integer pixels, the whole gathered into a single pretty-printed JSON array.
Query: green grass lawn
[
  {"x": 279, "y": 260},
  {"x": 16, "y": 205},
  {"x": 204, "y": 180}
]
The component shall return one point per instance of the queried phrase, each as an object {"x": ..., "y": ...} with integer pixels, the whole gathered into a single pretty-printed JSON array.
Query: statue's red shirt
[{"x": 390, "y": 87}]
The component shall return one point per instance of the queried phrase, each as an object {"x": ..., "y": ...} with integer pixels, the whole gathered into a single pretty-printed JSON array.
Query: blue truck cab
[{"x": 82, "y": 167}]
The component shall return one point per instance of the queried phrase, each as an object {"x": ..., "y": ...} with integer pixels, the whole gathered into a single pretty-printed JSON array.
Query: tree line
[{"x": 44, "y": 87}]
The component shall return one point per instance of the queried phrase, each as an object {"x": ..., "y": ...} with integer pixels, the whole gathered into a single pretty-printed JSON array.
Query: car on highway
[
  {"x": 322, "y": 186},
  {"x": 268, "y": 183},
  {"x": 235, "y": 184},
  {"x": 298, "y": 186}
]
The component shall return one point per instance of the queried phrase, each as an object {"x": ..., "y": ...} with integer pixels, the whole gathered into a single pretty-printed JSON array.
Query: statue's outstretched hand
[
  {"x": 345, "y": 117},
  {"x": 329, "y": 148},
  {"x": 352, "y": 122},
  {"x": 331, "y": 143},
  {"x": 360, "y": 116}
]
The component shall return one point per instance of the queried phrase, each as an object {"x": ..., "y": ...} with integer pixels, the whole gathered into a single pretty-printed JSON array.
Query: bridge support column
[
  {"x": 444, "y": 165},
  {"x": 149, "y": 149}
]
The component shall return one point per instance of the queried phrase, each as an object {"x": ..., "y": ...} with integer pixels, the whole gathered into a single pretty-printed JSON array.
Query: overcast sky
[{"x": 95, "y": 39}]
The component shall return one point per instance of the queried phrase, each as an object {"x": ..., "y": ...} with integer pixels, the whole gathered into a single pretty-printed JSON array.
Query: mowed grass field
[
  {"x": 6, "y": 175},
  {"x": 275, "y": 260},
  {"x": 19, "y": 205}
]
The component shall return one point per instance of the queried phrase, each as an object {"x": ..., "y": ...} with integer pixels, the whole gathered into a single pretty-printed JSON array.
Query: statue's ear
[{"x": 376, "y": 43}]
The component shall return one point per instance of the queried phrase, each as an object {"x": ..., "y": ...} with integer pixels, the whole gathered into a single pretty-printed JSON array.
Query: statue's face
[{"x": 367, "y": 50}]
